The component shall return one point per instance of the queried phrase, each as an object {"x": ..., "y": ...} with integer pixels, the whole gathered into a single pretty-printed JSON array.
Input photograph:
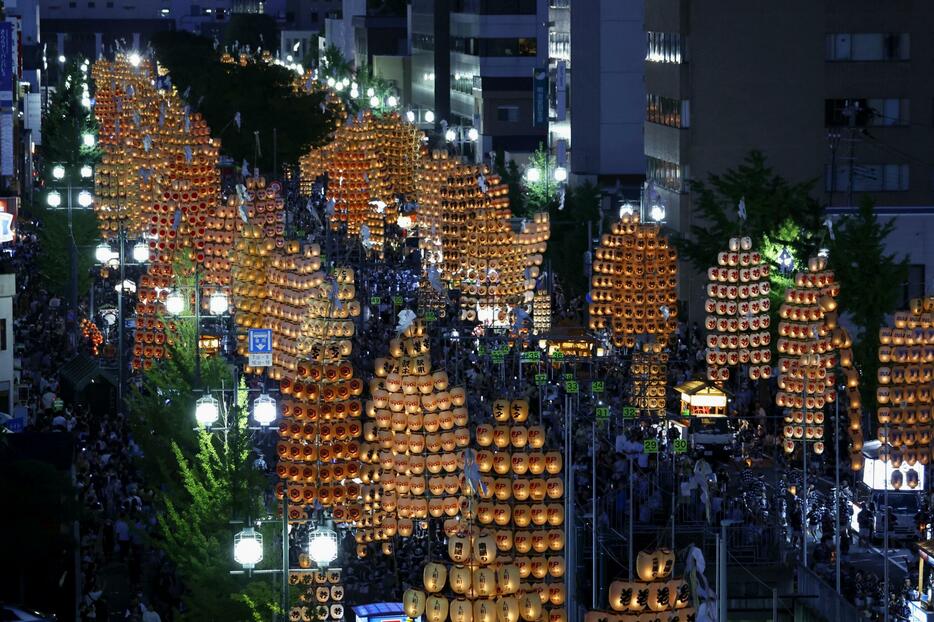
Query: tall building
[
  {"x": 829, "y": 90},
  {"x": 473, "y": 63},
  {"x": 607, "y": 98}
]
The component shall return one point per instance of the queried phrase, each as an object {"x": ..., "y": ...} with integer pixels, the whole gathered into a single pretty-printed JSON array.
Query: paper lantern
[
  {"x": 434, "y": 575},
  {"x": 507, "y": 609},
  {"x": 436, "y": 609},
  {"x": 484, "y": 611},
  {"x": 653, "y": 565},
  {"x": 530, "y": 607},
  {"x": 484, "y": 582},
  {"x": 461, "y": 610}
]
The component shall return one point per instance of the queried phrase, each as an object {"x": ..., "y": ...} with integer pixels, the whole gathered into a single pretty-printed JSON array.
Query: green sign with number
[
  {"x": 498, "y": 358},
  {"x": 629, "y": 412},
  {"x": 397, "y": 300},
  {"x": 571, "y": 386},
  {"x": 650, "y": 446},
  {"x": 557, "y": 355},
  {"x": 531, "y": 357},
  {"x": 375, "y": 300},
  {"x": 430, "y": 316},
  {"x": 541, "y": 378},
  {"x": 481, "y": 350},
  {"x": 603, "y": 412},
  {"x": 681, "y": 446},
  {"x": 568, "y": 376},
  {"x": 686, "y": 412},
  {"x": 597, "y": 386}
]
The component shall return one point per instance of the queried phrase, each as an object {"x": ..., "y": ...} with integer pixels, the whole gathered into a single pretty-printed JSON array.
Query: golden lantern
[
  {"x": 436, "y": 609},
  {"x": 461, "y": 610},
  {"x": 459, "y": 548},
  {"x": 530, "y": 607},
  {"x": 507, "y": 609},
  {"x": 484, "y": 582},
  {"x": 413, "y": 602},
  {"x": 460, "y": 579},
  {"x": 484, "y": 611},
  {"x": 433, "y": 576},
  {"x": 653, "y": 565}
]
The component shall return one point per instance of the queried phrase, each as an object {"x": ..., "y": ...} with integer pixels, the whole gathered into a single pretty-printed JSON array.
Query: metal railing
[{"x": 823, "y": 599}]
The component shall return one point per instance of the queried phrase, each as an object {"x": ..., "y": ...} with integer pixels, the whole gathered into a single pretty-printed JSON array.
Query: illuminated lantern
[
  {"x": 653, "y": 565},
  {"x": 484, "y": 548},
  {"x": 556, "y": 566},
  {"x": 434, "y": 575},
  {"x": 436, "y": 609},
  {"x": 484, "y": 581},
  {"x": 484, "y": 611},
  {"x": 413, "y": 602},
  {"x": 459, "y": 548},
  {"x": 530, "y": 606},
  {"x": 460, "y": 579},
  {"x": 507, "y": 609},
  {"x": 461, "y": 610},
  {"x": 507, "y": 578}
]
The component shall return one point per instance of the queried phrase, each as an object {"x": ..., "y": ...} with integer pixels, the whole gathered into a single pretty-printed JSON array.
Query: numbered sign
[
  {"x": 568, "y": 376},
  {"x": 541, "y": 379},
  {"x": 557, "y": 355},
  {"x": 571, "y": 386},
  {"x": 375, "y": 300},
  {"x": 597, "y": 386},
  {"x": 681, "y": 446},
  {"x": 629, "y": 412},
  {"x": 397, "y": 300},
  {"x": 499, "y": 358},
  {"x": 603, "y": 413},
  {"x": 430, "y": 316},
  {"x": 650, "y": 446},
  {"x": 531, "y": 357}
]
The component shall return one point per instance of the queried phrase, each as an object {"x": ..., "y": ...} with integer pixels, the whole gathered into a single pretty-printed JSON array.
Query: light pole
[{"x": 84, "y": 197}]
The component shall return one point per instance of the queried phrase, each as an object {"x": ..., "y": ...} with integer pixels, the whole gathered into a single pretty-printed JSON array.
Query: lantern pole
[
  {"x": 804, "y": 459},
  {"x": 885, "y": 532},
  {"x": 570, "y": 577},
  {"x": 593, "y": 467},
  {"x": 284, "y": 584},
  {"x": 121, "y": 372},
  {"x": 836, "y": 496}
]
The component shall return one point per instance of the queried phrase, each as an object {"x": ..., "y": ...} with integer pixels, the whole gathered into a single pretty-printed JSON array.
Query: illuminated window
[
  {"x": 664, "y": 47},
  {"x": 667, "y": 111}
]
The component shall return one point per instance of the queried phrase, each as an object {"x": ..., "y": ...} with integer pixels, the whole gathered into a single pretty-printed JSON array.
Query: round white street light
[
  {"x": 248, "y": 548},
  {"x": 141, "y": 252},
  {"x": 626, "y": 209},
  {"x": 560, "y": 174},
  {"x": 410, "y": 116},
  {"x": 331, "y": 82},
  {"x": 85, "y": 198},
  {"x": 374, "y": 101},
  {"x": 429, "y": 116},
  {"x": 135, "y": 59},
  {"x": 354, "y": 93},
  {"x": 103, "y": 253},
  {"x": 392, "y": 101},
  {"x": 264, "y": 410},
  {"x": 370, "y": 92},
  {"x": 58, "y": 171},
  {"x": 322, "y": 546},
  {"x": 217, "y": 303},
  {"x": 473, "y": 134},
  {"x": 206, "y": 411},
  {"x": 88, "y": 140},
  {"x": 126, "y": 286},
  {"x": 533, "y": 175},
  {"x": 404, "y": 221},
  {"x": 86, "y": 102},
  {"x": 657, "y": 212},
  {"x": 86, "y": 172},
  {"x": 61, "y": 59},
  {"x": 54, "y": 198},
  {"x": 450, "y": 135},
  {"x": 175, "y": 303},
  {"x": 110, "y": 316}
]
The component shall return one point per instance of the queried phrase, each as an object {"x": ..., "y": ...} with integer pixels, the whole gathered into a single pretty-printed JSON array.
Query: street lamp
[
  {"x": 175, "y": 302},
  {"x": 560, "y": 174},
  {"x": 135, "y": 59},
  {"x": 217, "y": 303},
  {"x": 206, "y": 411},
  {"x": 58, "y": 172},
  {"x": 61, "y": 59},
  {"x": 248, "y": 548},
  {"x": 322, "y": 546},
  {"x": 657, "y": 212},
  {"x": 410, "y": 116},
  {"x": 533, "y": 175},
  {"x": 86, "y": 172},
  {"x": 85, "y": 199},
  {"x": 264, "y": 410},
  {"x": 626, "y": 209},
  {"x": 785, "y": 260},
  {"x": 103, "y": 253},
  {"x": 450, "y": 135},
  {"x": 429, "y": 116},
  {"x": 54, "y": 198},
  {"x": 140, "y": 252},
  {"x": 392, "y": 101},
  {"x": 88, "y": 140},
  {"x": 374, "y": 101},
  {"x": 473, "y": 134}
]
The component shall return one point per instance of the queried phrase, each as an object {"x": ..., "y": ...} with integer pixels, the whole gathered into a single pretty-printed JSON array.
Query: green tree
[
  {"x": 871, "y": 285},
  {"x": 567, "y": 246},
  {"x": 541, "y": 194},
  {"x": 256, "y": 30},
  {"x": 65, "y": 122},
  {"x": 263, "y": 94},
  {"x": 780, "y": 215},
  {"x": 55, "y": 237}
]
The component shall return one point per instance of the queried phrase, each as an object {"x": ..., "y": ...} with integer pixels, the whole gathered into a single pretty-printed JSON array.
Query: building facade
[
  {"x": 473, "y": 63},
  {"x": 830, "y": 91}
]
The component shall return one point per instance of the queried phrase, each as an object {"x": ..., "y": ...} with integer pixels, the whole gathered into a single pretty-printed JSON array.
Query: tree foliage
[
  {"x": 65, "y": 122},
  {"x": 54, "y": 236},
  {"x": 541, "y": 194},
  {"x": 567, "y": 246},
  {"x": 511, "y": 175},
  {"x": 262, "y": 93},
  {"x": 871, "y": 284}
]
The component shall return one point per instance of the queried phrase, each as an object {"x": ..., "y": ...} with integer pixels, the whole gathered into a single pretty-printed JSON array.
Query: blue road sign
[{"x": 260, "y": 341}]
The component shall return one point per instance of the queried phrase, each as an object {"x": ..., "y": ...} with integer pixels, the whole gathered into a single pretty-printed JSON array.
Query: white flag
[{"x": 237, "y": 120}]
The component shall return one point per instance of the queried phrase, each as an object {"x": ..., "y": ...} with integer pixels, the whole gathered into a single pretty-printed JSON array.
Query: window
[
  {"x": 462, "y": 83},
  {"x": 494, "y": 7},
  {"x": 90, "y": 5},
  {"x": 560, "y": 4},
  {"x": 879, "y": 112},
  {"x": 664, "y": 47},
  {"x": 665, "y": 174},
  {"x": 559, "y": 45},
  {"x": 72, "y": 5},
  {"x": 667, "y": 111},
  {"x": 495, "y": 46},
  {"x": 507, "y": 114},
  {"x": 868, "y": 46},
  {"x": 421, "y": 41},
  {"x": 868, "y": 178},
  {"x": 3, "y": 334}
]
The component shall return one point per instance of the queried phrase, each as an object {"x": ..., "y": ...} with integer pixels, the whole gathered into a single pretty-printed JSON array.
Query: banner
[
  {"x": 6, "y": 143},
  {"x": 540, "y": 97},
  {"x": 6, "y": 64}
]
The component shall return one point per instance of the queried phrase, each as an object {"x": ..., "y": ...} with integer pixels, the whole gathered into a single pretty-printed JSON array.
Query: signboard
[
  {"x": 540, "y": 97},
  {"x": 681, "y": 445},
  {"x": 597, "y": 386},
  {"x": 603, "y": 413},
  {"x": 557, "y": 355},
  {"x": 531, "y": 357},
  {"x": 260, "y": 347},
  {"x": 430, "y": 316},
  {"x": 397, "y": 300},
  {"x": 375, "y": 300},
  {"x": 541, "y": 379},
  {"x": 561, "y": 92},
  {"x": 629, "y": 412},
  {"x": 6, "y": 143},
  {"x": 650, "y": 446},
  {"x": 6, "y": 64},
  {"x": 571, "y": 386}
]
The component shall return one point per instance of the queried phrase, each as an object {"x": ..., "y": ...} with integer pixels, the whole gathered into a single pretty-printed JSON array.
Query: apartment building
[{"x": 835, "y": 91}]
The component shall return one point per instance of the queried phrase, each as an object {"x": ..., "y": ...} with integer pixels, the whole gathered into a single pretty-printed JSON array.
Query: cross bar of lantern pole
[{"x": 280, "y": 570}]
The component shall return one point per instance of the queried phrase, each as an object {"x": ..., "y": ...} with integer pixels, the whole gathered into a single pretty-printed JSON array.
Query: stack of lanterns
[
  {"x": 319, "y": 451},
  {"x": 808, "y": 335},
  {"x": 655, "y": 597},
  {"x": 737, "y": 309},
  {"x": 648, "y": 379},
  {"x": 510, "y": 534},
  {"x": 633, "y": 289},
  {"x": 92, "y": 333},
  {"x": 417, "y": 428},
  {"x": 906, "y": 383},
  {"x": 541, "y": 312},
  {"x": 370, "y": 163},
  {"x": 321, "y": 595},
  {"x": 464, "y": 221}
]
